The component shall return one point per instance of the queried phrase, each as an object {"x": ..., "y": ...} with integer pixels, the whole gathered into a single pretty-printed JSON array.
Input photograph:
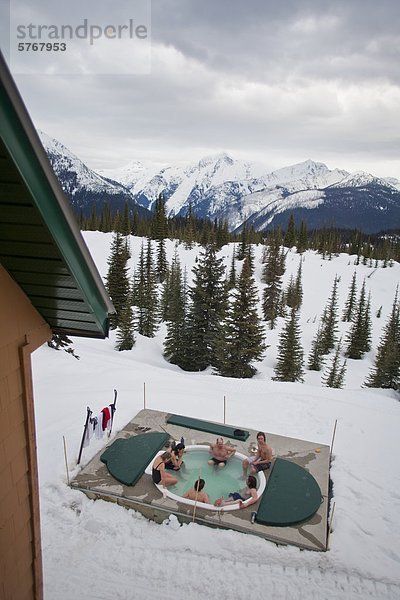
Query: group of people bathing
[{"x": 220, "y": 454}]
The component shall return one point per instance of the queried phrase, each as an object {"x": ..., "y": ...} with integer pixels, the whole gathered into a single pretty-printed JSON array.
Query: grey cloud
[{"x": 297, "y": 79}]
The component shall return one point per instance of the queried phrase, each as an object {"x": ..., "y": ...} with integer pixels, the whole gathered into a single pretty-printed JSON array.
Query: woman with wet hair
[
  {"x": 176, "y": 460},
  {"x": 159, "y": 474}
]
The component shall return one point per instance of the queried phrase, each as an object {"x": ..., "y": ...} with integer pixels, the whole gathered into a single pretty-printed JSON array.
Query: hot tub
[{"x": 218, "y": 481}]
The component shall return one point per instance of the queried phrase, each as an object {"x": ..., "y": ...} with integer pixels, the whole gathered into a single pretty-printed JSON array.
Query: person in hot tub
[
  {"x": 158, "y": 472},
  {"x": 248, "y": 498},
  {"x": 176, "y": 460},
  {"x": 220, "y": 453},
  {"x": 195, "y": 493},
  {"x": 261, "y": 461}
]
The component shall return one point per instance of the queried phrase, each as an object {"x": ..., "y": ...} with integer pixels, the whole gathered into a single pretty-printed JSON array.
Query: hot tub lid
[{"x": 291, "y": 496}]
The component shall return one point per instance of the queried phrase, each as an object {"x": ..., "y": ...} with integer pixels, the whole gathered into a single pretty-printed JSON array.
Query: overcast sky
[{"x": 275, "y": 82}]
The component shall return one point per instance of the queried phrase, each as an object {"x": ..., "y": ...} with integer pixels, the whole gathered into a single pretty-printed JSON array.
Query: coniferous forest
[{"x": 215, "y": 317}]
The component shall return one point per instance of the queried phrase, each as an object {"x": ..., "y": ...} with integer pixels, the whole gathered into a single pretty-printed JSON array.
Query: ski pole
[{"x": 88, "y": 413}]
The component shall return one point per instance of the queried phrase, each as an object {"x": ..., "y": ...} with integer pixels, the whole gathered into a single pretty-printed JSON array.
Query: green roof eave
[{"x": 26, "y": 150}]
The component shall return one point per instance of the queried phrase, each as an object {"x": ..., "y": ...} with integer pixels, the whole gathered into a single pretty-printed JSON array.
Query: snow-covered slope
[{"x": 102, "y": 551}]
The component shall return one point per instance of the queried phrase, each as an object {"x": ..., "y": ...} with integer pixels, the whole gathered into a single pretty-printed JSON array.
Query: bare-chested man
[
  {"x": 261, "y": 461},
  {"x": 196, "y": 492},
  {"x": 220, "y": 453}
]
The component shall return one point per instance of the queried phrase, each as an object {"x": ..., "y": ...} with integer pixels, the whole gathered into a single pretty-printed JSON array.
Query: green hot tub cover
[
  {"x": 292, "y": 495},
  {"x": 215, "y": 428},
  {"x": 126, "y": 459}
]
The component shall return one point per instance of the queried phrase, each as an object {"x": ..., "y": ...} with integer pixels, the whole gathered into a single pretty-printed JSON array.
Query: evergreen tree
[
  {"x": 272, "y": 276},
  {"x": 232, "y": 272},
  {"x": 125, "y": 335},
  {"x": 125, "y": 222},
  {"x": 299, "y": 286},
  {"x": 150, "y": 323},
  {"x": 302, "y": 242},
  {"x": 315, "y": 358},
  {"x": 206, "y": 311},
  {"x": 294, "y": 291},
  {"x": 144, "y": 293},
  {"x": 60, "y": 341},
  {"x": 290, "y": 360},
  {"x": 162, "y": 263},
  {"x": 359, "y": 336},
  {"x": 106, "y": 218},
  {"x": 350, "y": 305},
  {"x": 159, "y": 231},
  {"x": 174, "y": 343},
  {"x": 329, "y": 321},
  {"x": 221, "y": 234},
  {"x": 289, "y": 293},
  {"x": 94, "y": 221},
  {"x": 117, "y": 281},
  {"x": 386, "y": 371},
  {"x": 367, "y": 326},
  {"x": 139, "y": 292},
  {"x": 243, "y": 244},
  {"x": 241, "y": 339},
  {"x": 189, "y": 232},
  {"x": 165, "y": 299},
  {"x": 249, "y": 254},
  {"x": 290, "y": 235},
  {"x": 334, "y": 377}
]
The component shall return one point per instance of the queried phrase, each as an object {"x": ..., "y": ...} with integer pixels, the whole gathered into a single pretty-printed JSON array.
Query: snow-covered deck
[{"x": 96, "y": 482}]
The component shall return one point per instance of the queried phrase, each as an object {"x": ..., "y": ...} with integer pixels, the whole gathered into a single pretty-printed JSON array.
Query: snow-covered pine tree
[
  {"x": 329, "y": 321},
  {"x": 117, "y": 281},
  {"x": 125, "y": 336},
  {"x": 290, "y": 360},
  {"x": 272, "y": 276},
  {"x": 144, "y": 293},
  {"x": 302, "y": 242},
  {"x": 315, "y": 358},
  {"x": 174, "y": 343},
  {"x": 386, "y": 371},
  {"x": 150, "y": 322},
  {"x": 206, "y": 310},
  {"x": 159, "y": 231},
  {"x": 232, "y": 272},
  {"x": 139, "y": 292},
  {"x": 249, "y": 254},
  {"x": 358, "y": 338},
  {"x": 290, "y": 235},
  {"x": 294, "y": 290},
  {"x": 334, "y": 376},
  {"x": 125, "y": 221},
  {"x": 241, "y": 339},
  {"x": 189, "y": 231},
  {"x": 165, "y": 298},
  {"x": 243, "y": 243},
  {"x": 351, "y": 300}
]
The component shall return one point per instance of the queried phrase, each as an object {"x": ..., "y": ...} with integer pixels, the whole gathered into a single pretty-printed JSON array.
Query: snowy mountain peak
[
  {"x": 51, "y": 145},
  {"x": 217, "y": 159},
  {"x": 125, "y": 175},
  {"x": 360, "y": 179}
]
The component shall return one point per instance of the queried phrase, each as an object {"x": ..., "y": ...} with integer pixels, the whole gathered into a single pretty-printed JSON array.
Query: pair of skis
[{"x": 88, "y": 415}]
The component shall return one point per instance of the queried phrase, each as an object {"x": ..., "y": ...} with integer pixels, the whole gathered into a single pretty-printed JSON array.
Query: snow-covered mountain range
[
  {"x": 220, "y": 187},
  {"x": 84, "y": 187}
]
